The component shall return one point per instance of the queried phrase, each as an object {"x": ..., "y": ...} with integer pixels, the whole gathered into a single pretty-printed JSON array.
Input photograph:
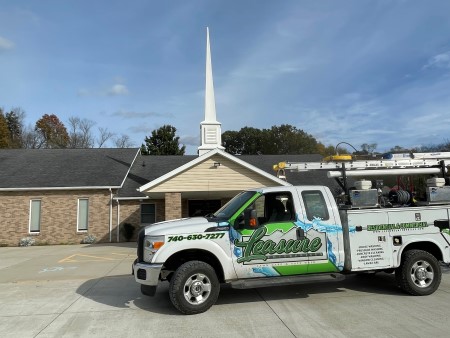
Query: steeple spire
[{"x": 211, "y": 136}]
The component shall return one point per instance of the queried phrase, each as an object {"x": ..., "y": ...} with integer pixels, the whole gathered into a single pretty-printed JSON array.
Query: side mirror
[{"x": 251, "y": 218}]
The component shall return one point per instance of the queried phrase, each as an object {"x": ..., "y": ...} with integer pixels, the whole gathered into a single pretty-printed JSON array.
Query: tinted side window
[{"x": 315, "y": 205}]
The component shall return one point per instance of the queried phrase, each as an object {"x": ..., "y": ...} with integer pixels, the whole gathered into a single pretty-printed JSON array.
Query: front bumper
[{"x": 146, "y": 273}]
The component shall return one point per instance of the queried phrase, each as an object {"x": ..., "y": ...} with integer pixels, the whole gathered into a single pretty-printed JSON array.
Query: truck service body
[{"x": 283, "y": 235}]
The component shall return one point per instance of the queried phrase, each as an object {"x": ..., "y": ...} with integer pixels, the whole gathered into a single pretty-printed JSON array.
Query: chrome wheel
[
  {"x": 197, "y": 289},
  {"x": 419, "y": 273},
  {"x": 422, "y": 274}
]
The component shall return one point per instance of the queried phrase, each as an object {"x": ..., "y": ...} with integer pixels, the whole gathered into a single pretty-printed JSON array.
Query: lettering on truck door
[
  {"x": 370, "y": 247},
  {"x": 278, "y": 243}
]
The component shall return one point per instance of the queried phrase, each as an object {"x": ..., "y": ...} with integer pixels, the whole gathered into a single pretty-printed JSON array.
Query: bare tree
[
  {"x": 123, "y": 141},
  {"x": 30, "y": 138},
  {"x": 80, "y": 134},
  {"x": 104, "y": 136}
]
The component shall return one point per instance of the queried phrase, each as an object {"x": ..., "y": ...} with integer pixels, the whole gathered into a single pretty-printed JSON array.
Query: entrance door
[{"x": 202, "y": 207}]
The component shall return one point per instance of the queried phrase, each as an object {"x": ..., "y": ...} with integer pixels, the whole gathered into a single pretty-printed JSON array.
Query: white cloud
[
  {"x": 117, "y": 90},
  {"x": 141, "y": 128},
  {"x": 441, "y": 60},
  {"x": 5, "y": 44}
]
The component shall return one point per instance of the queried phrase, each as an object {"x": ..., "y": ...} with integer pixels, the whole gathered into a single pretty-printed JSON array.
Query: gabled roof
[
  {"x": 52, "y": 169},
  {"x": 148, "y": 168},
  {"x": 204, "y": 157}
]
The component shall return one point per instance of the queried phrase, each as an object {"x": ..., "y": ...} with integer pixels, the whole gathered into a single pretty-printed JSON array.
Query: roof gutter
[
  {"x": 131, "y": 198},
  {"x": 61, "y": 188}
]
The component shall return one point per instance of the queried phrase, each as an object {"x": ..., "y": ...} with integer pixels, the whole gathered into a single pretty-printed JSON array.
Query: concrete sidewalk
[{"x": 87, "y": 290}]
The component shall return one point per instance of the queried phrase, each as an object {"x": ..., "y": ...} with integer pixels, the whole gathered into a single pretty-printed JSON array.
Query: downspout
[
  {"x": 110, "y": 214},
  {"x": 118, "y": 221}
]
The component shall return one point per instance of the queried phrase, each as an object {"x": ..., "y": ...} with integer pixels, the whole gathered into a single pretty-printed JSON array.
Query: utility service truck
[{"x": 294, "y": 234}]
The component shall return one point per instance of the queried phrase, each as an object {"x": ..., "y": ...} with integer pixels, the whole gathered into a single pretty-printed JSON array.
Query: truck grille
[{"x": 140, "y": 245}]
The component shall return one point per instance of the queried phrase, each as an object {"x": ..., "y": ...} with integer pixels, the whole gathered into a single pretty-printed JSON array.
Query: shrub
[
  {"x": 89, "y": 239},
  {"x": 128, "y": 230},
  {"x": 27, "y": 241}
]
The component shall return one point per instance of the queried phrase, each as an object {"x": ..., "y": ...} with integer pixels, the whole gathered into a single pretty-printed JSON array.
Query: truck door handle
[{"x": 300, "y": 234}]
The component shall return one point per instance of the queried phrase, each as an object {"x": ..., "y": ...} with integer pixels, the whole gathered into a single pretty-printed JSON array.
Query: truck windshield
[{"x": 233, "y": 205}]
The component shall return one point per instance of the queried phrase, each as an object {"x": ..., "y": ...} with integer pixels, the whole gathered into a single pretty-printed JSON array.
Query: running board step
[{"x": 288, "y": 280}]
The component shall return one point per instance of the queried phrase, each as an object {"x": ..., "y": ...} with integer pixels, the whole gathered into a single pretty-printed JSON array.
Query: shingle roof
[
  {"x": 59, "y": 168},
  {"x": 65, "y": 168},
  {"x": 149, "y": 168}
]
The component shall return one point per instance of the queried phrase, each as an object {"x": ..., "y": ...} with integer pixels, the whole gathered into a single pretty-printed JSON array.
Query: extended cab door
[
  {"x": 320, "y": 221},
  {"x": 266, "y": 241}
]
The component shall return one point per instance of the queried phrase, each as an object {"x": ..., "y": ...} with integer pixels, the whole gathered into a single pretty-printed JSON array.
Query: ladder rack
[
  {"x": 369, "y": 164},
  {"x": 397, "y": 164}
]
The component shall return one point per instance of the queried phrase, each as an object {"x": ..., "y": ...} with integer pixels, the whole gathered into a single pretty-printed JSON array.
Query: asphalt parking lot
[{"x": 87, "y": 290}]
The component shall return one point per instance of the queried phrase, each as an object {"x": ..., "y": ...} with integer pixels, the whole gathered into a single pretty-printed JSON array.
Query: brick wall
[
  {"x": 130, "y": 212},
  {"x": 173, "y": 205},
  {"x": 58, "y": 216}
]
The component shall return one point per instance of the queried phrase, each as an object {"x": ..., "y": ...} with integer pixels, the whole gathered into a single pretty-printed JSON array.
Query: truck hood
[{"x": 179, "y": 226}]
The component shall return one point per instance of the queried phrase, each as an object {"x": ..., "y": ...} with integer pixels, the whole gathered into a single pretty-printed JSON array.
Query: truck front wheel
[
  {"x": 194, "y": 287},
  {"x": 419, "y": 273}
]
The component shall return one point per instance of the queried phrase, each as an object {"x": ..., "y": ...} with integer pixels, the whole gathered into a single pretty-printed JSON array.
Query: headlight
[{"x": 153, "y": 243}]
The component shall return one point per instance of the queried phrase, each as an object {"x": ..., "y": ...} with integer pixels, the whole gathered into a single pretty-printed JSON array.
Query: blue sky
[{"x": 356, "y": 71}]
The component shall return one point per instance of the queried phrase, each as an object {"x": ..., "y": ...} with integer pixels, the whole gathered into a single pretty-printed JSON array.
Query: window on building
[
  {"x": 148, "y": 214},
  {"x": 35, "y": 215},
  {"x": 83, "y": 212},
  {"x": 315, "y": 205}
]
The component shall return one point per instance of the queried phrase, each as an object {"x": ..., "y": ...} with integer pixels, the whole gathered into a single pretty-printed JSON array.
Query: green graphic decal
[
  {"x": 398, "y": 226},
  {"x": 290, "y": 270},
  {"x": 258, "y": 249}
]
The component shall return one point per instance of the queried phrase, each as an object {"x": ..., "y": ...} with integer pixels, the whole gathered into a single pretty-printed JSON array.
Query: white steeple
[{"x": 210, "y": 131}]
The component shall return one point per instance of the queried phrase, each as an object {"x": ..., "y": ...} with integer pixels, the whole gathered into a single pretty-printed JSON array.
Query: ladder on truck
[{"x": 392, "y": 164}]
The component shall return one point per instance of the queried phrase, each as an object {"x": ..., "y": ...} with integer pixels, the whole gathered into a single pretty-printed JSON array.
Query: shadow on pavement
[{"x": 123, "y": 292}]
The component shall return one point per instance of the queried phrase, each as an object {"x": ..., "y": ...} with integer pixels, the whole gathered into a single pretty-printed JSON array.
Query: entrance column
[{"x": 173, "y": 205}]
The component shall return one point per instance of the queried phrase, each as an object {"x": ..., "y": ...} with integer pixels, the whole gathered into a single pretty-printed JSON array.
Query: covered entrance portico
[{"x": 203, "y": 185}]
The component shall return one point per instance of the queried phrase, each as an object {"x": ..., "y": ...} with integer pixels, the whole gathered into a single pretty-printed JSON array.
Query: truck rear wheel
[
  {"x": 419, "y": 273},
  {"x": 194, "y": 287}
]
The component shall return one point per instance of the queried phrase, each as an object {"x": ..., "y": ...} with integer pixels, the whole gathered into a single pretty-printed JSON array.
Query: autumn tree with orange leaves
[{"x": 52, "y": 132}]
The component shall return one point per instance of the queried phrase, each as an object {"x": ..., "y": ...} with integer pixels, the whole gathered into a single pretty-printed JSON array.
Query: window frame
[
  {"x": 30, "y": 216},
  {"x": 78, "y": 214}
]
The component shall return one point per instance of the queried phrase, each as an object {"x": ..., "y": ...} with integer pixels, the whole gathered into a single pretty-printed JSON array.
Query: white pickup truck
[{"x": 283, "y": 235}]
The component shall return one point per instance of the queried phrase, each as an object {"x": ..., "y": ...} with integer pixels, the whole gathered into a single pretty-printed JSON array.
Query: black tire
[
  {"x": 194, "y": 287},
  {"x": 419, "y": 273}
]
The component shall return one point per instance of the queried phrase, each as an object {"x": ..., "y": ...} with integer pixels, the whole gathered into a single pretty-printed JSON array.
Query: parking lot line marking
[
  {"x": 67, "y": 259},
  {"x": 113, "y": 256},
  {"x": 73, "y": 259}
]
